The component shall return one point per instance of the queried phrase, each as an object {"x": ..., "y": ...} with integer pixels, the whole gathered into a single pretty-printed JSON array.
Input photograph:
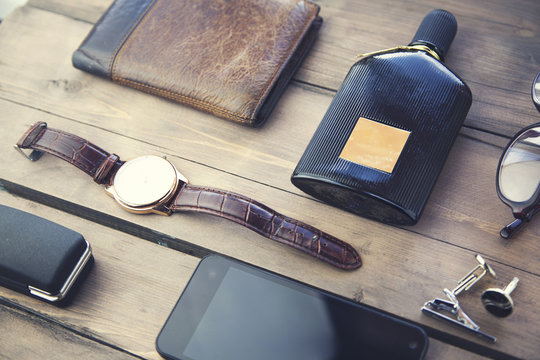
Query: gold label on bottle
[{"x": 375, "y": 145}]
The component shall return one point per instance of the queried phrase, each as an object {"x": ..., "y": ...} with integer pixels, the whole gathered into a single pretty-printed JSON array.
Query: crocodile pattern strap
[
  {"x": 90, "y": 158},
  {"x": 267, "y": 222}
]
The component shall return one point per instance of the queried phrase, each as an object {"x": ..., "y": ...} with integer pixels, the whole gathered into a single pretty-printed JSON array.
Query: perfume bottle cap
[{"x": 437, "y": 30}]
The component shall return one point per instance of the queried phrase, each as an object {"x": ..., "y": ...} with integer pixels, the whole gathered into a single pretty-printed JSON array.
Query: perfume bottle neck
[
  {"x": 437, "y": 31},
  {"x": 428, "y": 48},
  {"x": 413, "y": 47}
]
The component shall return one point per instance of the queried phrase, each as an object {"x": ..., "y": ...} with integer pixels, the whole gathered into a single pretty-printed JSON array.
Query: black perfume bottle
[{"x": 386, "y": 135}]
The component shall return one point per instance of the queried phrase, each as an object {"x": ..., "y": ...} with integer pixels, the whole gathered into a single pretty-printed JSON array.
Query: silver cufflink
[
  {"x": 450, "y": 310},
  {"x": 498, "y": 301}
]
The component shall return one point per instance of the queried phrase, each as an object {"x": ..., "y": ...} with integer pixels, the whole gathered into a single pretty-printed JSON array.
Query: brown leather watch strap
[
  {"x": 88, "y": 157},
  {"x": 103, "y": 166},
  {"x": 267, "y": 222}
]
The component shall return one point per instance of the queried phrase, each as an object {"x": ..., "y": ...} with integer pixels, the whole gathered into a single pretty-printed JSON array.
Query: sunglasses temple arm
[{"x": 511, "y": 228}]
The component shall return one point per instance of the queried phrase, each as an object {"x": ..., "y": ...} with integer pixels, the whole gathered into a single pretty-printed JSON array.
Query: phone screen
[{"x": 232, "y": 310}]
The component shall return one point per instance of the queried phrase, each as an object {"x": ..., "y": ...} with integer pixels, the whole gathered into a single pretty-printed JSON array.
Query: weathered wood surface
[
  {"x": 122, "y": 304},
  {"x": 402, "y": 267},
  {"x": 48, "y": 340},
  {"x": 119, "y": 308},
  {"x": 495, "y": 50}
]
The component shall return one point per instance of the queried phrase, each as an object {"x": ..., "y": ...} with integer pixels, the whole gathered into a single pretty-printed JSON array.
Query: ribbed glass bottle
[{"x": 386, "y": 135}]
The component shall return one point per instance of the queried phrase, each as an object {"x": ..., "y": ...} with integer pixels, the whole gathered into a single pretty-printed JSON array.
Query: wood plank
[
  {"x": 88, "y": 11},
  {"x": 267, "y": 155},
  {"x": 494, "y": 50},
  {"x": 392, "y": 256},
  {"x": 48, "y": 340},
  {"x": 92, "y": 326},
  {"x": 128, "y": 293},
  {"x": 491, "y": 46},
  {"x": 439, "y": 350},
  {"x": 216, "y": 153}
]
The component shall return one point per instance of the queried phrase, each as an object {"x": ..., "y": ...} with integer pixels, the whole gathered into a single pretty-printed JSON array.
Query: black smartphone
[{"x": 233, "y": 310}]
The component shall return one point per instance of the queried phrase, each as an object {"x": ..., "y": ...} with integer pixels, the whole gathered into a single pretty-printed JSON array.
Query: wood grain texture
[
  {"x": 495, "y": 50},
  {"x": 48, "y": 340},
  {"x": 92, "y": 327},
  {"x": 402, "y": 267},
  {"x": 465, "y": 192},
  {"x": 392, "y": 257},
  {"x": 127, "y": 295},
  {"x": 89, "y": 11}
]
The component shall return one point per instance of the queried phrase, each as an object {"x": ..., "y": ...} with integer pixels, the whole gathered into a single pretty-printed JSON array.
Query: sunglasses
[{"x": 518, "y": 173}]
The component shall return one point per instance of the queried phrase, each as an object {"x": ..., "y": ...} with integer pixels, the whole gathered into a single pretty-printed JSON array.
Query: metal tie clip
[{"x": 437, "y": 307}]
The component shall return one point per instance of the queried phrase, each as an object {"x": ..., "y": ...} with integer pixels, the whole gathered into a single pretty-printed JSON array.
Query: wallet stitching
[
  {"x": 167, "y": 93},
  {"x": 204, "y": 105},
  {"x": 290, "y": 52},
  {"x": 186, "y": 99}
]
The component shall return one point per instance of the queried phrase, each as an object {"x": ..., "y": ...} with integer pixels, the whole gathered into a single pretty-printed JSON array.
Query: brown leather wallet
[
  {"x": 230, "y": 58},
  {"x": 151, "y": 184}
]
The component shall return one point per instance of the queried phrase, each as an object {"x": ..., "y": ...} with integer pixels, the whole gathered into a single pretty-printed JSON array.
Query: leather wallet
[
  {"x": 39, "y": 257},
  {"x": 231, "y": 58}
]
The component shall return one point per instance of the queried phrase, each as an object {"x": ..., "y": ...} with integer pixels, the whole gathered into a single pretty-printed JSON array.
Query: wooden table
[{"x": 144, "y": 262}]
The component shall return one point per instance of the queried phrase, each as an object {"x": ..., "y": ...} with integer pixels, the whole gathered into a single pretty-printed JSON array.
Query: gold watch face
[{"x": 145, "y": 181}]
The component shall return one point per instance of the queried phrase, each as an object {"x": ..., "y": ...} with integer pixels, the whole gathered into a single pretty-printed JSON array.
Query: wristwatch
[{"x": 151, "y": 184}]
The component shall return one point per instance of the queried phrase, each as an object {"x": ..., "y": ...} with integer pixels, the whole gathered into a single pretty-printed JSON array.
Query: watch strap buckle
[
  {"x": 28, "y": 140},
  {"x": 32, "y": 155}
]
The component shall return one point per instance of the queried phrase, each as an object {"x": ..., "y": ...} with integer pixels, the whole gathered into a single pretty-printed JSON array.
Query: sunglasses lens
[
  {"x": 536, "y": 92},
  {"x": 519, "y": 176}
]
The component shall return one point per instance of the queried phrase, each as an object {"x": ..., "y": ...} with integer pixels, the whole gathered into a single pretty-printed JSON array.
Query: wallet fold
[{"x": 232, "y": 58}]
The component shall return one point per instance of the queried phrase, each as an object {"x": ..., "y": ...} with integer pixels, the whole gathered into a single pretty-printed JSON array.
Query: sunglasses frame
[
  {"x": 535, "y": 94},
  {"x": 523, "y": 211},
  {"x": 521, "y": 208}
]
